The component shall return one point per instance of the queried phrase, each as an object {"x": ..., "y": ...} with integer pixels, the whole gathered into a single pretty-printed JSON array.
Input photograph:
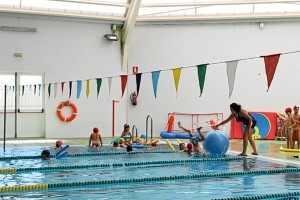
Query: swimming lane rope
[
  {"x": 11, "y": 170},
  {"x": 89, "y": 154},
  {"x": 150, "y": 179}
]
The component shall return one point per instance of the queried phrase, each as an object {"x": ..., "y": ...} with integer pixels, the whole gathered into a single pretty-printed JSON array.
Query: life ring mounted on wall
[{"x": 63, "y": 104}]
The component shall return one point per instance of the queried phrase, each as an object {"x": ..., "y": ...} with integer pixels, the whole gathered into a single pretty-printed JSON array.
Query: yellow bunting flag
[
  {"x": 176, "y": 75},
  {"x": 87, "y": 88}
]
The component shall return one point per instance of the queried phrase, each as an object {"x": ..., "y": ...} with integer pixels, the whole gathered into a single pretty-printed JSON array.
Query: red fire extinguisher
[{"x": 133, "y": 98}]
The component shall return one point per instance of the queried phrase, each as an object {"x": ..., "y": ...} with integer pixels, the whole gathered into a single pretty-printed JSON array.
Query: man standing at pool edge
[{"x": 246, "y": 118}]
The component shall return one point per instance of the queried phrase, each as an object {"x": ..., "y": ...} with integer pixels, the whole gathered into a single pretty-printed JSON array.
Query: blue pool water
[{"x": 200, "y": 188}]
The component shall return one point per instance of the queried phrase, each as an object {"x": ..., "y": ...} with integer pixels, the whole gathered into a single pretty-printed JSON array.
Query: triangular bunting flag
[
  {"x": 34, "y": 89},
  {"x": 40, "y": 87},
  {"x": 23, "y": 88},
  {"x": 70, "y": 89},
  {"x": 176, "y": 75},
  {"x": 201, "y": 76},
  {"x": 99, "y": 83},
  {"x": 49, "y": 90},
  {"x": 231, "y": 70},
  {"x": 123, "y": 83},
  {"x": 62, "y": 85},
  {"x": 44, "y": 89},
  {"x": 271, "y": 62},
  {"x": 138, "y": 78},
  {"x": 155, "y": 77},
  {"x": 109, "y": 80},
  {"x": 55, "y": 90},
  {"x": 87, "y": 88},
  {"x": 79, "y": 88}
]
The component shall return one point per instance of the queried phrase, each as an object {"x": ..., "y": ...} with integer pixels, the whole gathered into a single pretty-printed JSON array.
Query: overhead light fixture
[
  {"x": 18, "y": 29},
  {"x": 111, "y": 37}
]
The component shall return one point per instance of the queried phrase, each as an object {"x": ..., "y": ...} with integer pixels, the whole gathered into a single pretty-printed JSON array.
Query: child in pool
[
  {"x": 45, "y": 154},
  {"x": 58, "y": 145},
  {"x": 126, "y": 133},
  {"x": 195, "y": 140},
  {"x": 122, "y": 143},
  {"x": 182, "y": 147},
  {"x": 115, "y": 144},
  {"x": 189, "y": 149},
  {"x": 95, "y": 138}
]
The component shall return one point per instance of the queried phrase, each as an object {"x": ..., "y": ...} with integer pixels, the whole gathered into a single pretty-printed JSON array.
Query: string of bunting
[{"x": 271, "y": 62}]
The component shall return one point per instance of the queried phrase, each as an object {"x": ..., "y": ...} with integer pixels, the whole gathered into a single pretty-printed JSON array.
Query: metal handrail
[
  {"x": 132, "y": 132},
  {"x": 147, "y": 127},
  {"x": 4, "y": 135}
]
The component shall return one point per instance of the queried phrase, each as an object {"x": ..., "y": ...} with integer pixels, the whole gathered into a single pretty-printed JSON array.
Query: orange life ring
[{"x": 63, "y": 104}]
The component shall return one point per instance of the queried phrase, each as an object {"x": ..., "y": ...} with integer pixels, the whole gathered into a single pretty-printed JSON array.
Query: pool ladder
[
  {"x": 147, "y": 119},
  {"x": 135, "y": 130}
]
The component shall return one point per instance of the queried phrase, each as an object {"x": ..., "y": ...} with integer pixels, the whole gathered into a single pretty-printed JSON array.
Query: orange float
[
  {"x": 170, "y": 124},
  {"x": 60, "y": 107},
  {"x": 213, "y": 124}
]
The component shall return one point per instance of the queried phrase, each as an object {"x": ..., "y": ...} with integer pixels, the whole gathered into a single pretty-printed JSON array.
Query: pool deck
[{"x": 267, "y": 149}]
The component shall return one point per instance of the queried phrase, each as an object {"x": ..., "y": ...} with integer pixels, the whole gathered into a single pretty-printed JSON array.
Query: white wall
[
  {"x": 170, "y": 46},
  {"x": 66, "y": 49}
]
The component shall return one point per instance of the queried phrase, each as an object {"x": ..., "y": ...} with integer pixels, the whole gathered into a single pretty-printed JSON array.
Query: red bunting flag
[
  {"x": 123, "y": 83},
  {"x": 271, "y": 62}
]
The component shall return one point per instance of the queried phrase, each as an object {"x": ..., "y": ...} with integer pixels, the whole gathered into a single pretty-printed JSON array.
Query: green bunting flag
[
  {"x": 201, "y": 76},
  {"x": 49, "y": 90},
  {"x": 99, "y": 83}
]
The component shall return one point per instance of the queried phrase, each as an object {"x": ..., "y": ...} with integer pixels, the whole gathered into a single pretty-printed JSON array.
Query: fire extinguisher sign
[{"x": 135, "y": 70}]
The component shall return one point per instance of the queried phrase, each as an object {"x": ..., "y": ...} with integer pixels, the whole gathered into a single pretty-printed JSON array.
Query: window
[
  {"x": 8, "y": 80},
  {"x": 30, "y": 92}
]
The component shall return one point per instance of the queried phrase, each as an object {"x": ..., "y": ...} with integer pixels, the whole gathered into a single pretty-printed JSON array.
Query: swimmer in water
[{"x": 45, "y": 154}]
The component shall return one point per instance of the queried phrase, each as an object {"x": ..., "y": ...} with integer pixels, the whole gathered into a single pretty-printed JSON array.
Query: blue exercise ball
[{"x": 216, "y": 143}]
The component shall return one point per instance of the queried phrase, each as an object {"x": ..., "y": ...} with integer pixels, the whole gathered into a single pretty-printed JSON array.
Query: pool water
[{"x": 199, "y": 188}]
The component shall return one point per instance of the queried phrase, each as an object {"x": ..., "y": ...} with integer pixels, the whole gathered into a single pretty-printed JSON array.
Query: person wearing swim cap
[
  {"x": 129, "y": 148},
  {"x": 288, "y": 125},
  {"x": 248, "y": 119},
  {"x": 126, "y": 134},
  {"x": 95, "y": 138},
  {"x": 195, "y": 140},
  {"x": 115, "y": 144},
  {"x": 143, "y": 139},
  {"x": 45, "y": 154},
  {"x": 58, "y": 145},
  {"x": 189, "y": 148}
]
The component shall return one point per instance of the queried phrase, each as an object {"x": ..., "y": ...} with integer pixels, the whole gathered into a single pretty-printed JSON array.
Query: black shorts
[{"x": 253, "y": 124}]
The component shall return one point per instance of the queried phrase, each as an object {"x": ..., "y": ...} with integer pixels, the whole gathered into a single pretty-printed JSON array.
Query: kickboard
[
  {"x": 63, "y": 149},
  {"x": 61, "y": 155},
  {"x": 289, "y": 150}
]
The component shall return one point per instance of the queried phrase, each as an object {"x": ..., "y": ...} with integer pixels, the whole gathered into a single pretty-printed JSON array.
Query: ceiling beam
[
  {"x": 219, "y": 18},
  {"x": 62, "y": 14},
  {"x": 103, "y": 3},
  {"x": 128, "y": 28},
  {"x": 216, "y": 3}
]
